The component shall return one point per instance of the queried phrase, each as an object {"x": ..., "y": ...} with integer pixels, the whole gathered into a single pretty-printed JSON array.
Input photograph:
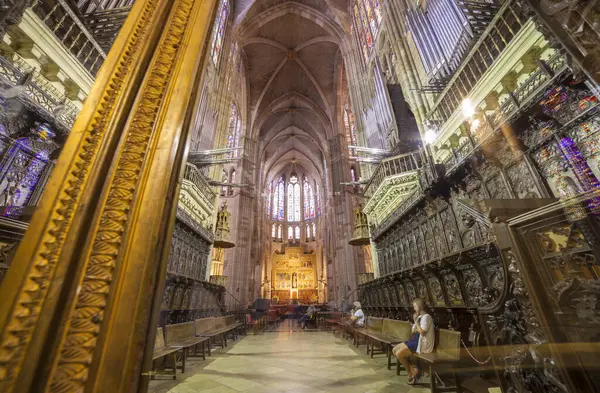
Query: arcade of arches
[{"x": 175, "y": 172}]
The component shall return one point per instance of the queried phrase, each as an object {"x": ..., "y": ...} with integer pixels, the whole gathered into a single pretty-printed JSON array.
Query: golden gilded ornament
[
  {"x": 76, "y": 304},
  {"x": 360, "y": 235},
  {"x": 222, "y": 234}
]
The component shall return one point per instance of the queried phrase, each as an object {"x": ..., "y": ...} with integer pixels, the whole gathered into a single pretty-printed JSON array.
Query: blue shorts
[{"x": 413, "y": 343}]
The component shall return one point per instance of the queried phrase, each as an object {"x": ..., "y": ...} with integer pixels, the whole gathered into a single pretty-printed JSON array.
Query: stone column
[{"x": 77, "y": 304}]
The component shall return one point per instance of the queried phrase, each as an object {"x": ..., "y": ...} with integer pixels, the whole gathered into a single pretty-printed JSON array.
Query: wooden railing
[
  {"x": 505, "y": 25},
  {"x": 193, "y": 174},
  {"x": 38, "y": 92},
  {"x": 393, "y": 166},
  {"x": 520, "y": 99},
  {"x": 104, "y": 25},
  {"x": 70, "y": 30}
]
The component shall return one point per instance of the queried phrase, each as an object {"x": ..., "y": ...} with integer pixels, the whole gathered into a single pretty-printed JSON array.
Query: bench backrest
[
  {"x": 220, "y": 322},
  {"x": 398, "y": 329},
  {"x": 448, "y": 341},
  {"x": 179, "y": 332},
  {"x": 230, "y": 320},
  {"x": 375, "y": 324},
  {"x": 159, "y": 343},
  {"x": 204, "y": 325}
]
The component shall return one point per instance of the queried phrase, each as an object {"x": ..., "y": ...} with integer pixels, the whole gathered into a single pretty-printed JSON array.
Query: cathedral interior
[{"x": 195, "y": 194}]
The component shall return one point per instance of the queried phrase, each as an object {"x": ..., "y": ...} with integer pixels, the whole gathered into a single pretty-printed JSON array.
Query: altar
[{"x": 293, "y": 276}]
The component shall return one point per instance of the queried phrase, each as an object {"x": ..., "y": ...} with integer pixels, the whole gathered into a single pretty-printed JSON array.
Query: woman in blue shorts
[{"x": 422, "y": 340}]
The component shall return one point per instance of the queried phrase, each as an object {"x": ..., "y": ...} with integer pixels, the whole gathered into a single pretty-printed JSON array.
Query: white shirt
[
  {"x": 427, "y": 339},
  {"x": 361, "y": 317}
]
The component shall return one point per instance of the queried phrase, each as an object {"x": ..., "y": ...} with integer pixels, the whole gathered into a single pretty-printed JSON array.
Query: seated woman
[
  {"x": 357, "y": 318},
  {"x": 422, "y": 340},
  {"x": 310, "y": 314}
]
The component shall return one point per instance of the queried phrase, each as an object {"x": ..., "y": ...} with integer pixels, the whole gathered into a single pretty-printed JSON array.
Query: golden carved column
[{"x": 80, "y": 305}]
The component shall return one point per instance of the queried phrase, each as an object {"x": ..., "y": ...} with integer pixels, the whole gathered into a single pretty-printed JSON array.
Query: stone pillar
[
  {"x": 347, "y": 260},
  {"x": 77, "y": 304}
]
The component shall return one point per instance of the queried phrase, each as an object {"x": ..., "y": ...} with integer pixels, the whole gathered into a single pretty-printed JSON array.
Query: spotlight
[
  {"x": 430, "y": 136},
  {"x": 467, "y": 107}
]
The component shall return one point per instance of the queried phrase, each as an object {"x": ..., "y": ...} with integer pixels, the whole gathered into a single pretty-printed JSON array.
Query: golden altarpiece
[{"x": 293, "y": 276}]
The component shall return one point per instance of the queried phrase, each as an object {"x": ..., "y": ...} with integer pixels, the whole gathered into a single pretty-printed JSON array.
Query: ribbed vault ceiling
[{"x": 292, "y": 51}]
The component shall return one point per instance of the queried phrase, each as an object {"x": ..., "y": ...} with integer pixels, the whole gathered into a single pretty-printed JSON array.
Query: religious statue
[
  {"x": 10, "y": 195},
  {"x": 567, "y": 189},
  {"x": 295, "y": 280}
]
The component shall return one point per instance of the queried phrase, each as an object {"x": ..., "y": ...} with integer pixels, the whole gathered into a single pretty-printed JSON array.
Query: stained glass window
[
  {"x": 290, "y": 202},
  {"x": 367, "y": 18},
  {"x": 318, "y": 199},
  {"x": 308, "y": 232},
  {"x": 350, "y": 127},
  {"x": 22, "y": 176},
  {"x": 223, "y": 180},
  {"x": 314, "y": 231},
  {"x": 235, "y": 130},
  {"x": 353, "y": 174},
  {"x": 231, "y": 180},
  {"x": 274, "y": 231},
  {"x": 293, "y": 199},
  {"x": 219, "y": 31},
  {"x": 279, "y": 232},
  {"x": 268, "y": 198},
  {"x": 279, "y": 201},
  {"x": 290, "y": 233},
  {"x": 309, "y": 201},
  {"x": 297, "y": 233},
  {"x": 582, "y": 171}
]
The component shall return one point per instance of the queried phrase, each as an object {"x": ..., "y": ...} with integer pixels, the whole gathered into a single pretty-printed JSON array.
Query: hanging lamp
[
  {"x": 360, "y": 235},
  {"x": 222, "y": 234}
]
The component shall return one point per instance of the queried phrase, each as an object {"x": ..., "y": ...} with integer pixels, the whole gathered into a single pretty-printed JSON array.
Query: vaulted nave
[{"x": 358, "y": 195}]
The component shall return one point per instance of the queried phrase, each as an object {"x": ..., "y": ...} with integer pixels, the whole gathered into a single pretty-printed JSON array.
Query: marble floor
[{"x": 289, "y": 361}]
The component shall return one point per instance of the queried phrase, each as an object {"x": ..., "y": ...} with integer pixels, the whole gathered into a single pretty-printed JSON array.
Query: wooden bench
[
  {"x": 372, "y": 325},
  {"x": 183, "y": 335},
  {"x": 161, "y": 351},
  {"x": 392, "y": 333},
  {"x": 312, "y": 320},
  {"x": 208, "y": 327},
  {"x": 330, "y": 319},
  {"x": 445, "y": 355},
  {"x": 217, "y": 329},
  {"x": 272, "y": 317},
  {"x": 236, "y": 327},
  {"x": 346, "y": 328}
]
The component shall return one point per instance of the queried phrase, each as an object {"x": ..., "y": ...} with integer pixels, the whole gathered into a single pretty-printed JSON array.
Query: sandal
[{"x": 415, "y": 380}]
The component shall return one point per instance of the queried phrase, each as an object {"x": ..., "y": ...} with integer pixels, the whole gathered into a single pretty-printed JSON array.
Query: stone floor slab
[{"x": 291, "y": 362}]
